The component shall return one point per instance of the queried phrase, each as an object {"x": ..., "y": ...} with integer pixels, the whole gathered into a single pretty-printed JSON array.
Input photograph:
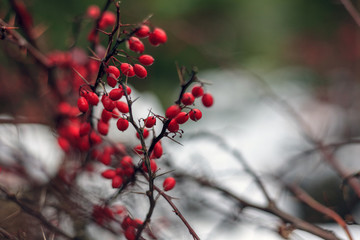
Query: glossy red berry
[
  {"x": 197, "y": 91},
  {"x": 122, "y": 124},
  {"x": 111, "y": 80},
  {"x": 114, "y": 70},
  {"x": 136, "y": 45},
  {"x": 83, "y": 104},
  {"x": 146, "y": 60},
  {"x": 109, "y": 173},
  {"x": 173, "y": 126},
  {"x": 150, "y": 121},
  {"x": 107, "y": 19},
  {"x": 126, "y": 162},
  {"x": 115, "y": 94},
  {"x": 143, "y": 31},
  {"x": 117, "y": 181},
  {"x": 107, "y": 103},
  {"x": 92, "y": 98},
  {"x": 195, "y": 114},
  {"x": 140, "y": 71},
  {"x": 172, "y": 111},
  {"x": 122, "y": 106},
  {"x": 207, "y": 100},
  {"x": 182, "y": 118},
  {"x": 127, "y": 69},
  {"x": 138, "y": 149},
  {"x": 187, "y": 98},
  {"x": 105, "y": 115},
  {"x": 157, "y": 36},
  {"x": 158, "y": 150},
  {"x": 93, "y": 11},
  {"x": 130, "y": 233},
  {"x": 95, "y": 138},
  {"x": 64, "y": 144},
  {"x": 169, "y": 183}
]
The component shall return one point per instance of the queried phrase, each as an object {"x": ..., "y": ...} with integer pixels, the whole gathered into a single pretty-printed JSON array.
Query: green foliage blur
[{"x": 208, "y": 34}]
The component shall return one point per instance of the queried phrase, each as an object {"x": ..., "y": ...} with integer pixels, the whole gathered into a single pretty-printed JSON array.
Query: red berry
[
  {"x": 92, "y": 98},
  {"x": 105, "y": 159},
  {"x": 153, "y": 166},
  {"x": 139, "y": 149},
  {"x": 173, "y": 126},
  {"x": 126, "y": 162},
  {"x": 172, "y": 111},
  {"x": 207, "y": 100},
  {"x": 122, "y": 106},
  {"x": 169, "y": 183},
  {"x": 157, "y": 37},
  {"x": 115, "y": 94},
  {"x": 84, "y": 129},
  {"x": 122, "y": 124},
  {"x": 130, "y": 233},
  {"x": 197, "y": 91},
  {"x": 111, "y": 80},
  {"x": 105, "y": 115},
  {"x": 107, "y": 103},
  {"x": 146, "y": 60},
  {"x": 140, "y": 71},
  {"x": 127, "y": 69},
  {"x": 187, "y": 98},
  {"x": 145, "y": 133},
  {"x": 93, "y": 11},
  {"x": 143, "y": 31},
  {"x": 109, "y": 173},
  {"x": 150, "y": 121},
  {"x": 64, "y": 144},
  {"x": 107, "y": 19},
  {"x": 158, "y": 150},
  {"x": 103, "y": 128},
  {"x": 82, "y": 104},
  {"x": 195, "y": 114},
  {"x": 95, "y": 138},
  {"x": 136, "y": 45},
  {"x": 182, "y": 117},
  {"x": 114, "y": 70},
  {"x": 116, "y": 181}
]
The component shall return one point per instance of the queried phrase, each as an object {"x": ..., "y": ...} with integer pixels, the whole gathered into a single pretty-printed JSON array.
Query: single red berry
[
  {"x": 172, "y": 111},
  {"x": 109, "y": 173},
  {"x": 93, "y": 11},
  {"x": 182, "y": 118},
  {"x": 150, "y": 121},
  {"x": 158, "y": 150},
  {"x": 111, "y": 80},
  {"x": 92, "y": 98},
  {"x": 187, "y": 98},
  {"x": 83, "y": 104},
  {"x": 145, "y": 133},
  {"x": 105, "y": 159},
  {"x": 115, "y": 94},
  {"x": 136, "y": 45},
  {"x": 130, "y": 233},
  {"x": 195, "y": 114},
  {"x": 126, "y": 162},
  {"x": 140, "y": 71},
  {"x": 105, "y": 115},
  {"x": 169, "y": 183},
  {"x": 122, "y": 106},
  {"x": 107, "y": 103},
  {"x": 197, "y": 91},
  {"x": 122, "y": 124},
  {"x": 85, "y": 128},
  {"x": 143, "y": 31},
  {"x": 127, "y": 69},
  {"x": 146, "y": 60},
  {"x": 117, "y": 181},
  {"x": 138, "y": 149},
  {"x": 114, "y": 70},
  {"x": 157, "y": 36},
  {"x": 103, "y": 128},
  {"x": 207, "y": 100},
  {"x": 153, "y": 166},
  {"x": 107, "y": 19},
  {"x": 173, "y": 126}
]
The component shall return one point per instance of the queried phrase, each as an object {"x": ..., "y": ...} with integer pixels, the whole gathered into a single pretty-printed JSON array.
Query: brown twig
[{"x": 352, "y": 10}]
